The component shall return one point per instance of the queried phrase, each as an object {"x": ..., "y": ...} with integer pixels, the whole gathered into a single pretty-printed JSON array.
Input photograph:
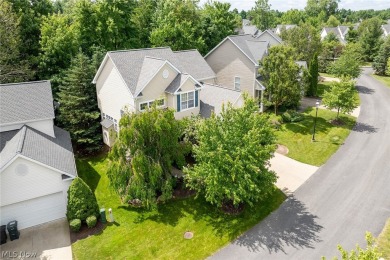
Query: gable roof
[
  {"x": 138, "y": 66},
  {"x": 286, "y": 26},
  {"x": 272, "y": 34},
  {"x": 25, "y": 102},
  {"x": 386, "y": 29},
  {"x": 176, "y": 83},
  {"x": 340, "y": 32},
  {"x": 253, "y": 48},
  {"x": 54, "y": 152}
]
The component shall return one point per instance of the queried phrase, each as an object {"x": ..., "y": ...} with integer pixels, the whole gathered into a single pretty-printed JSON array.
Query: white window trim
[
  {"x": 185, "y": 109},
  {"x": 149, "y": 101},
  {"x": 237, "y": 77}
]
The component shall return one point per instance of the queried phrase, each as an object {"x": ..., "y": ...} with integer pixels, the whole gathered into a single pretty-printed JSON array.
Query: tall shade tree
[
  {"x": 305, "y": 39},
  {"x": 341, "y": 96},
  {"x": 12, "y": 67},
  {"x": 217, "y": 23},
  {"x": 348, "y": 65},
  {"x": 177, "y": 24},
  {"x": 232, "y": 154},
  {"x": 293, "y": 16},
  {"x": 78, "y": 112},
  {"x": 332, "y": 21},
  {"x": 352, "y": 35},
  {"x": 31, "y": 14},
  {"x": 143, "y": 154},
  {"x": 115, "y": 29},
  {"x": 281, "y": 77},
  {"x": 143, "y": 21},
  {"x": 315, "y": 7},
  {"x": 370, "y": 33},
  {"x": 262, "y": 16},
  {"x": 380, "y": 61},
  {"x": 59, "y": 43}
]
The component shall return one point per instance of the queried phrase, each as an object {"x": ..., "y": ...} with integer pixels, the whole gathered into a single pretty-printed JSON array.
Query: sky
[{"x": 284, "y": 5}]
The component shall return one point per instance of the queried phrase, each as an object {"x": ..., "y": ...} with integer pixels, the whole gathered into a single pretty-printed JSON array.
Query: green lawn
[
  {"x": 158, "y": 234},
  {"x": 384, "y": 241},
  {"x": 297, "y": 136},
  {"x": 384, "y": 79}
]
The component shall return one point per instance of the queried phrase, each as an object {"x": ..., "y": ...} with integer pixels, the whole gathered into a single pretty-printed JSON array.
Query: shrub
[
  {"x": 75, "y": 225},
  {"x": 292, "y": 116},
  {"x": 81, "y": 201},
  {"x": 91, "y": 221}
]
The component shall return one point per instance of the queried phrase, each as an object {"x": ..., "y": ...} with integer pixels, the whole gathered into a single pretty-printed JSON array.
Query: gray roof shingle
[
  {"x": 252, "y": 47},
  {"x": 55, "y": 152},
  {"x": 27, "y": 101},
  {"x": 176, "y": 83},
  {"x": 132, "y": 67}
]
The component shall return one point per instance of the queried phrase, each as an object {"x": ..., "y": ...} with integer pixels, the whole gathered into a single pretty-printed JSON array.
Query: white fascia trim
[
  {"x": 235, "y": 102},
  {"x": 262, "y": 88},
  {"x": 100, "y": 69},
  {"x": 194, "y": 80},
  {"x": 37, "y": 162},
  {"x": 154, "y": 75},
  {"x": 25, "y": 122}
]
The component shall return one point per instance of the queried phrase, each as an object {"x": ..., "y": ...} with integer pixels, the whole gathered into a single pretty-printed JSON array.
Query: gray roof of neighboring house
[
  {"x": 250, "y": 29},
  {"x": 107, "y": 123},
  {"x": 271, "y": 33},
  {"x": 27, "y": 101},
  {"x": 176, "y": 82},
  {"x": 136, "y": 66},
  {"x": 343, "y": 29},
  {"x": 386, "y": 27},
  {"x": 339, "y": 31},
  {"x": 252, "y": 47},
  {"x": 286, "y": 26},
  {"x": 212, "y": 97},
  {"x": 55, "y": 152}
]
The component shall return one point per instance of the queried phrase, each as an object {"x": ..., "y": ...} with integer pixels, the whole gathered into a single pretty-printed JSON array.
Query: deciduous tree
[
  {"x": 348, "y": 65},
  {"x": 262, "y": 16},
  {"x": 341, "y": 96},
  {"x": 281, "y": 76},
  {"x": 143, "y": 154},
  {"x": 232, "y": 154},
  {"x": 370, "y": 33},
  {"x": 380, "y": 61}
]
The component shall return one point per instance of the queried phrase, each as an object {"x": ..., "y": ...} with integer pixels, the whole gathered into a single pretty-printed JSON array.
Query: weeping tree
[{"x": 141, "y": 159}]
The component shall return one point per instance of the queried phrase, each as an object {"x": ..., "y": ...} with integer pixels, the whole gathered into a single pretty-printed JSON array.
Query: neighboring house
[
  {"x": 132, "y": 80},
  {"x": 235, "y": 61},
  {"x": 36, "y": 158},
  {"x": 248, "y": 28},
  {"x": 280, "y": 27},
  {"x": 270, "y": 37},
  {"x": 340, "y": 32},
  {"x": 386, "y": 29}
]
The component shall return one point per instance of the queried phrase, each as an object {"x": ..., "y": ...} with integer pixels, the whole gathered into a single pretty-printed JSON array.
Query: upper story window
[
  {"x": 148, "y": 104},
  {"x": 187, "y": 100},
  {"x": 237, "y": 83}
]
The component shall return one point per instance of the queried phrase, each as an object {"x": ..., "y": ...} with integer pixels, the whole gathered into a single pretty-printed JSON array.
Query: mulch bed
[
  {"x": 181, "y": 191},
  {"x": 86, "y": 232},
  {"x": 229, "y": 208},
  {"x": 337, "y": 122}
]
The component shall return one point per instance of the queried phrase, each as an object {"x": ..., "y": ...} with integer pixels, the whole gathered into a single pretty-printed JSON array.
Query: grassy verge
[
  {"x": 383, "y": 241},
  {"x": 158, "y": 234},
  {"x": 384, "y": 79},
  {"x": 297, "y": 136},
  {"x": 327, "y": 75}
]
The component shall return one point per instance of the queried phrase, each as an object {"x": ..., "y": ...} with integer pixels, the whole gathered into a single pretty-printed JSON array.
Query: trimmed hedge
[
  {"x": 81, "y": 201},
  {"x": 75, "y": 225},
  {"x": 91, "y": 221}
]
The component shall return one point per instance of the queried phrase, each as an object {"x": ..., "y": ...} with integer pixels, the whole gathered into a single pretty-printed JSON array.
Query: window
[
  {"x": 237, "y": 83},
  {"x": 149, "y": 104},
  {"x": 187, "y": 100}
]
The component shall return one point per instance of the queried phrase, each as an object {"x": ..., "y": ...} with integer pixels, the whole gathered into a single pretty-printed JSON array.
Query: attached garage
[{"x": 35, "y": 211}]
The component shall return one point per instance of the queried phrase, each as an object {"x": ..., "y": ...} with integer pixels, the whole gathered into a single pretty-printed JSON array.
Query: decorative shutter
[
  {"x": 196, "y": 98},
  {"x": 178, "y": 103}
]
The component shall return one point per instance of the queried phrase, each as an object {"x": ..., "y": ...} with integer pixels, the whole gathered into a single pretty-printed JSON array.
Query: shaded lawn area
[
  {"x": 384, "y": 79},
  {"x": 158, "y": 234},
  {"x": 383, "y": 241},
  {"x": 297, "y": 136}
]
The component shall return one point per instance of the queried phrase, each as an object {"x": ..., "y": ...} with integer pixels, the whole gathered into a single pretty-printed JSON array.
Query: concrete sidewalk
[{"x": 291, "y": 173}]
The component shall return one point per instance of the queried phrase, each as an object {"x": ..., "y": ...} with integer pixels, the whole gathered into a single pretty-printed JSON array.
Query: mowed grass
[
  {"x": 158, "y": 234},
  {"x": 328, "y": 137},
  {"x": 384, "y": 79},
  {"x": 383, "y": 241}
]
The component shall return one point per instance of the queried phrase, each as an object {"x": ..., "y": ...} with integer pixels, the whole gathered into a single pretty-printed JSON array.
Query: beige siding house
[
  {"x": 131, "y": 81},
  {"x": 236, "y": 63}
]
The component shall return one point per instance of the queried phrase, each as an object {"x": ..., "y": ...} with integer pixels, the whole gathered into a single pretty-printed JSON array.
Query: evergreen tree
[
  {"x": 262, "y": 16},
  {"x": 78, "y": 112},
  {"x": 313, "y": 71},
  {"x": 380, "y": 61}
]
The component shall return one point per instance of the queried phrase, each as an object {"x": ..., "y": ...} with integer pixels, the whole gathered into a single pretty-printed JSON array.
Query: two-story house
[
  {"x": 132, "y": 80},
  {"x": 36, "y": 158}
]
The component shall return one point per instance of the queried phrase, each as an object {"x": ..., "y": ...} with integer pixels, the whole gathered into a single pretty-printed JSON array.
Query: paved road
[{"x": 346, "y": 197}]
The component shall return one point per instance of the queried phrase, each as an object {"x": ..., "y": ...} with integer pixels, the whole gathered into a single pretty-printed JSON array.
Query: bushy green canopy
[
  {"x": 232, "y": 154},
  {"x": 81, "y": 201}
]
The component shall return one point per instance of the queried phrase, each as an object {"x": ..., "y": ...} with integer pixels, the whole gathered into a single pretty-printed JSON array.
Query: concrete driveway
[{"x": 47, "y": 241}]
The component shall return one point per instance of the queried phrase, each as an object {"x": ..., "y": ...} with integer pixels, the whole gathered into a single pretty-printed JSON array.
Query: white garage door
[{"x": 35, "y": 211}]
